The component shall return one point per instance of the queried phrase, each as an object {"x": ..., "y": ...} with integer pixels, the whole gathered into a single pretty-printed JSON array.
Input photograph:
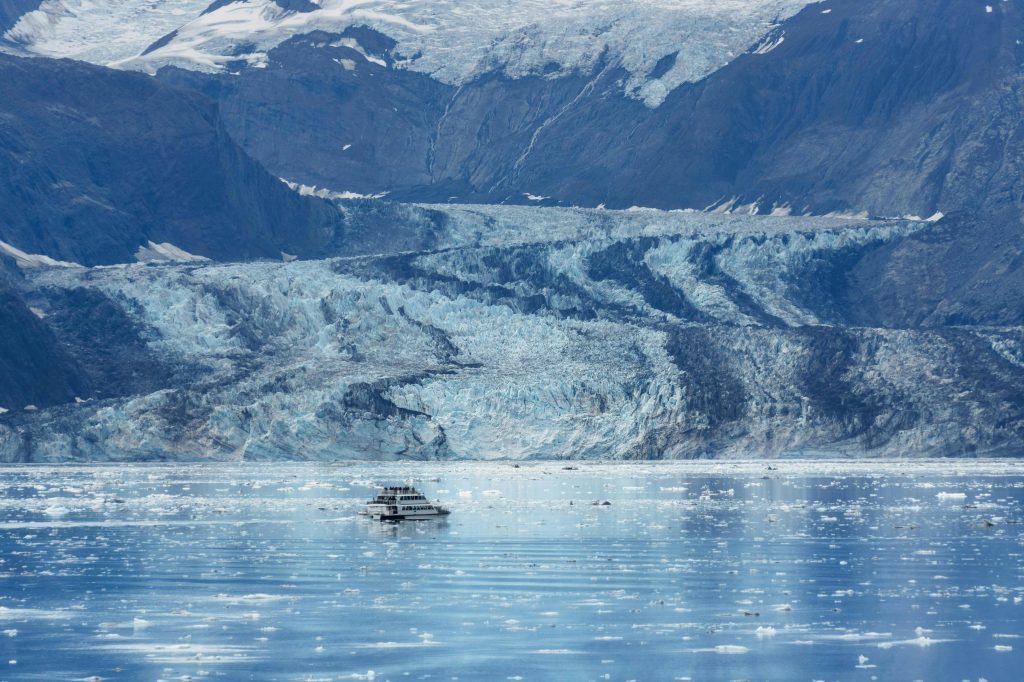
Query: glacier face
[
  {"x": 660, "y": 43},
  {"x": 523, "y": 333}
]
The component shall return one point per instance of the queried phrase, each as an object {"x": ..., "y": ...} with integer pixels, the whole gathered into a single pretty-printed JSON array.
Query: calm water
[{"x": 695, "y": 571}]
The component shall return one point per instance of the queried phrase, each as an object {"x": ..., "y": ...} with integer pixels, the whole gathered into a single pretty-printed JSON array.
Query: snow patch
[
  {"x": 330, "y": 194},
  {"x": 33, "y": 260},
  {"x": 768, "y": 45},
  {"x": 166, "y": 251}
]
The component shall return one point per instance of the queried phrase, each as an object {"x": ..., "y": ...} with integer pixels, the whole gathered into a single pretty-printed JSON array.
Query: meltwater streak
[{"x": 702, "y": 570}]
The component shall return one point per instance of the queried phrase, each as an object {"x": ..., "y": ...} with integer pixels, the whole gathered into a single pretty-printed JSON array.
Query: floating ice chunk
[
  {"x": 920, "y": 641},
  {"x": 183, "y": 653},
  {"x": 555, "y": 652},
  {"x": 31, "y": 614},
  {"x": 257, "y": 598},
  {"x": 730, "y": 649},
  {"x": 396, "y": 645},
  {"x": 951, "y": 496},
  {"x": 313, "y": 485},
  {"x": 858, "y": 636},
  {"x": 1003, "y": 647},
  {"x": 862, "y": 663}
]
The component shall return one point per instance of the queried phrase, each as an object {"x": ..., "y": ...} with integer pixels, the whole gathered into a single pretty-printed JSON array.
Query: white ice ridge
[
  {"x": 166, "y": 252},
  {"x": 453, "y": 40},
  {"x": 33, "y": 260}
]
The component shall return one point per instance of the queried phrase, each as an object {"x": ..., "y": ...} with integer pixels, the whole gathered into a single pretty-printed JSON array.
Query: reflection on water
[{"x": 698, "y": 571}]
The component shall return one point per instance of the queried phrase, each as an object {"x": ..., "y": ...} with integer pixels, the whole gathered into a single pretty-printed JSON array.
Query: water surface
[{"x": 702, "y": 571}]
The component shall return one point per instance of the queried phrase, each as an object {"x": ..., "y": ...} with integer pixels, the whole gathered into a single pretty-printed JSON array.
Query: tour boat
[{"x": 402, "y": 502}]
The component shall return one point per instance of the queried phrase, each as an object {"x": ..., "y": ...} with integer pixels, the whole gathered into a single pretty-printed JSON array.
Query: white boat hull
[{"x": 403, "y": 503}]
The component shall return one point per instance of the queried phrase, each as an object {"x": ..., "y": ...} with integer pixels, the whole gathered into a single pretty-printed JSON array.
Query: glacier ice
[
  {"x": 530, "y": 332},
  {"x": 453, "y": 40}
]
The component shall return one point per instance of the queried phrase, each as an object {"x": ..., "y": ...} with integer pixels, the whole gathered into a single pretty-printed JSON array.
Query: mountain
[
  {"x": 876, "y": 107},
  {"x": 894, "y": 108},
  {"x": 875, "y": 311},
  {"x": 102, "y": 167},
  {"x": 35, "y": 370},
  {"x": 98, "y": 163}
]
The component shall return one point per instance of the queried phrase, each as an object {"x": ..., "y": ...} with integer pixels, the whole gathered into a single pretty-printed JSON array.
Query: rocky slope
[
  {"x": 35, "y": 369},
  {"x": 97, "y": 163}
]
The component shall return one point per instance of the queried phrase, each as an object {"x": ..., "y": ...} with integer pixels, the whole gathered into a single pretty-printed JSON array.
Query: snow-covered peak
[{"x": 453, "y": 40}]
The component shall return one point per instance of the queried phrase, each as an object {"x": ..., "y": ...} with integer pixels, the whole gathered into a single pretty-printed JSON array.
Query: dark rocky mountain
[
  {"x": 967, "y": 270},
  {"x": 35, "y": 369},
  {"x": 325, "y": 114},
  {"x": 97, "y": 162},
  {"x": 12, "y": 10},
  {"x": 890, "y": 107}
]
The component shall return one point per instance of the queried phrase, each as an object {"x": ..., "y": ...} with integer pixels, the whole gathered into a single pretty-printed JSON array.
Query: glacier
[
  {"x": 524, "y": 332},
  {"x": 660, "y": 43}
]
